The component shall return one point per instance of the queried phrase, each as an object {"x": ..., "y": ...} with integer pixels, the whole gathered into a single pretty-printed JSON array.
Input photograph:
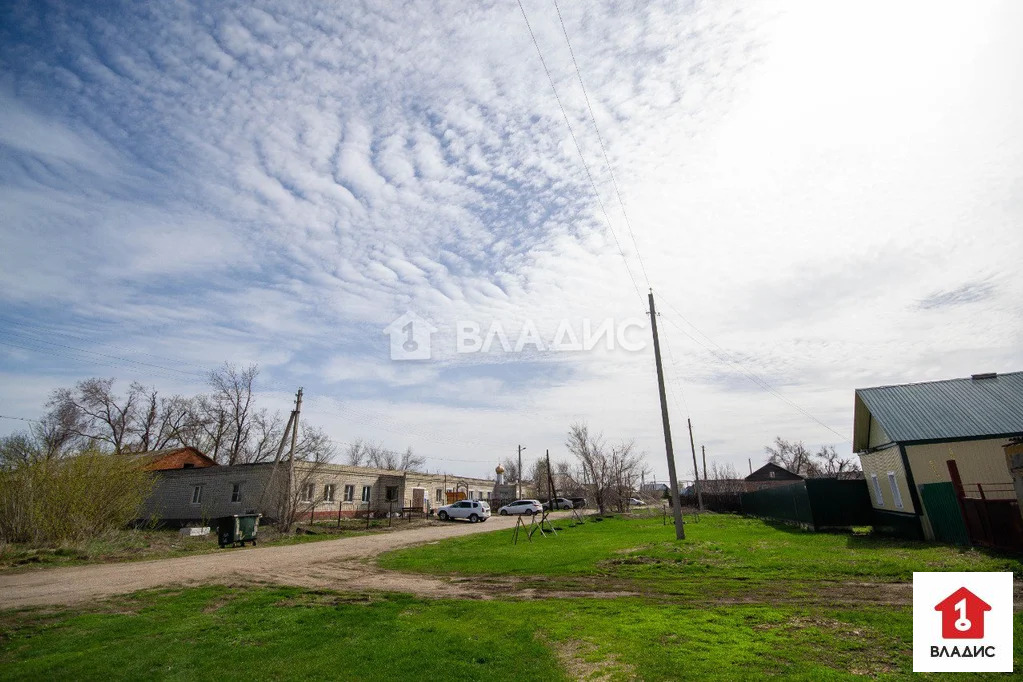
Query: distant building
[
  {"x": 186, "y": 495},
  {"x": 773, "y": 473},
  {"x": 174, "y": 458}
]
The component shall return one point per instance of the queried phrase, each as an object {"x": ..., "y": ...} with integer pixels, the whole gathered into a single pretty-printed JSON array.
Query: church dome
[{"x": 499, "y": 469}]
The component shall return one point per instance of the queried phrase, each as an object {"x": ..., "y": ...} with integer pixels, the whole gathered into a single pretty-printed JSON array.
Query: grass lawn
[
  {"x": 720, "y": 551},
  {"x": 682, "y": 624},
  {"x": 276, "y": 633}
]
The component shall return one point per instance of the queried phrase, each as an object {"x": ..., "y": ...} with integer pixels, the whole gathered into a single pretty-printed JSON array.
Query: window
[
  {"x": 771, "y": 475},
  {"x": 365, "y": 492},
  {"x": 472, "y": 494},
  {"x": 349, "y": 493},
  {"x": 878, "y": 497},
  {"x": 328, "y": 492},
  {"x": 896, "y": 495},
  {"x": 440, "y": 494},
  {"x": 488, "y": 496},
  {"x": 236, "y": 492},
  {"x": 392, "y": 493},
  {"x": 197, "y": 494},
  {"x": 308, "y": 491}
]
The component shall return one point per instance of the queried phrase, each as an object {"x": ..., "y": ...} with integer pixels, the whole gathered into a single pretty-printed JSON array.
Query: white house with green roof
[{"x": 906, "y": 436}]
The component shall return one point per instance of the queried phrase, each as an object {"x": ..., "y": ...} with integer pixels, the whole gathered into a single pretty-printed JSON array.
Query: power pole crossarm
[{"x": 676, "y": 503}]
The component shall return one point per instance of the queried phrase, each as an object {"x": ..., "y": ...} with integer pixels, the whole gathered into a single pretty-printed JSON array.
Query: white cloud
[{"x": 277, "y": 183}]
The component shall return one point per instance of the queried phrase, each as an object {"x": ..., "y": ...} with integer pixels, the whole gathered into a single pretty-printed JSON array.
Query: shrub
[{"x": 70, "y": 500}]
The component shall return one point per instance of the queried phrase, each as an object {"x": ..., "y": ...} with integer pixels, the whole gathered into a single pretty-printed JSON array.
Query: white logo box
[{"x": 933, "y": 652}]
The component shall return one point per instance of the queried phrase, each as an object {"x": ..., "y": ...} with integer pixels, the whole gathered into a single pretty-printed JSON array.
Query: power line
[
  {"x": 603, "y": 149},
  {"x": 723, "y": 357},
  {"x": 579, "y": 149}
]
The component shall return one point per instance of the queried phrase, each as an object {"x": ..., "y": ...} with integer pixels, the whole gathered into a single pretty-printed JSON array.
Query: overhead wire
[
  {"x": 578, "y": 148},
  {"x": 723, "y": 354}
]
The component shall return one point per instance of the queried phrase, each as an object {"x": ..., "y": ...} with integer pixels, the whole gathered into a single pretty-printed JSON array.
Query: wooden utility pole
[
  {"x": 291, "y": 458},
  {"x": 550, "y": 481},
  {"x": 696, "y": 469},
  {"x": 703, "y": 451},
  {"x": 521, "y": 448},
  {"x": 676, "y": 503}
]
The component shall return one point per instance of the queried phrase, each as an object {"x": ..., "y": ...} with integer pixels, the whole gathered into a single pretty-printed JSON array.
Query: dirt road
[{"x": 338, "y": 564}]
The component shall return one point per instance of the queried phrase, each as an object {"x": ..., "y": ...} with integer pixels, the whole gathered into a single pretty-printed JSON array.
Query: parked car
[
  {"x": 528, "y": 507},
  {"x": 579, "y": 502},
  {"x": 559, "y": 503},
  {"x": 474, "y": 510},
  {"x": 636, "y": 502}
]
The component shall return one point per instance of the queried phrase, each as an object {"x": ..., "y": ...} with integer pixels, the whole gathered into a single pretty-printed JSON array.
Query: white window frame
[
  {"x": 308, "y": 492},
  {"x": 349, "y": 495},
  {"x": 896, "y": 495},
  {"x": 197, "y": 494},
  {"x": 329, "y": 492},
  {"x": 878, "y": 497},
  {"x": 236, "y": 493},
  {"x": 367, "y": 493},
  {"x": 440, "y": 495}
]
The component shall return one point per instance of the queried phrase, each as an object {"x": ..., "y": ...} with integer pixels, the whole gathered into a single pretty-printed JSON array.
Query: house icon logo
[
  {"x": 962, "y": 615},
  {"x": 962, "y": 621},
  {"x": 410, "y": 337}
]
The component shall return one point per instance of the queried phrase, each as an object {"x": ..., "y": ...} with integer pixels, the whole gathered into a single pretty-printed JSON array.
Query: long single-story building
[
  {"x": 187, "y": 495},
  {"x": 911, "y": 435}
]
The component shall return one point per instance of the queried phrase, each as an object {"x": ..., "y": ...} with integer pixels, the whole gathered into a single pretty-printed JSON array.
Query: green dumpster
[{"x": 237, "y": 529}]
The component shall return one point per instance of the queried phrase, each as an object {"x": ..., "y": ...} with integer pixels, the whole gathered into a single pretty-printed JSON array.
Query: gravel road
[{"x": 337, "y": 564}]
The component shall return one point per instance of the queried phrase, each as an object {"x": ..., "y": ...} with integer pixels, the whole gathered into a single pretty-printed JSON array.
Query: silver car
[{"x": 527, "y": 507}]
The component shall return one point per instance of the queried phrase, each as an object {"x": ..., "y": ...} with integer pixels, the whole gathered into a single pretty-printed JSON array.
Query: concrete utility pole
[
  {"x": 750, "y": 460},
  {"x": 291, "y": 457},
  {"x": 521, "y": 448},
  {"x": 703, "y": 450},
  {"x": 696, "y": 469},
  {"x": 676, "y": 503}
]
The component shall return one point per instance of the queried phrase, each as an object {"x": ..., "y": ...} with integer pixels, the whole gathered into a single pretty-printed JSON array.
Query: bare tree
[
  {"x": 99, "y": 414},
  {"x": 792, "y": 456},
  {"x": 511, "y": 469},
  {"x": 232, "y": 392},
  {"x": 356, "y": 454},
  {"x": 832, "y": 465},
  {"x": 612, "y": 471}
]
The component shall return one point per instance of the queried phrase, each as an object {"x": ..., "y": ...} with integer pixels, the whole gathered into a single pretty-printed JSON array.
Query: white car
[
  {"x": 528, "y": 507},
  {"x": 636, "y": 502},
  {"x": 474, "y": 510}
]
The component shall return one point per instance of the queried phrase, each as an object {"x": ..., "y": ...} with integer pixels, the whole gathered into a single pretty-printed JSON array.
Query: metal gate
[{"x": 944, "y": 513}]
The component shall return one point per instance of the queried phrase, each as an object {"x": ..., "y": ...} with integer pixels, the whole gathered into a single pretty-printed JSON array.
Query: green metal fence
[
  {"x": 815, "y": 503},
  {"x": 939, "y": 499}
]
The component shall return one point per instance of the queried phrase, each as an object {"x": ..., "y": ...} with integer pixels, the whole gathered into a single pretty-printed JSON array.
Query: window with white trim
[
  {"x": 896, "y": 495},
  {"x": 878, "y": 497},
  {"x": 236, "y": 492},
  {"x": 308, "y": 492},
  {"x": 197, "y": 495},
  {"x": 349, "y": 493},
  {"x": 328, "y": 492},
  {"x": 366, "y": 490}
]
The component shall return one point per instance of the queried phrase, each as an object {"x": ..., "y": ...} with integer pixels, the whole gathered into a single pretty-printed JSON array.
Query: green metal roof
[{"x": 948, "y": 410}]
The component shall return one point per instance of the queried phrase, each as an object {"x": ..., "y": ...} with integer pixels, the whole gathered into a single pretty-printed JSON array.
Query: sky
[{"x": 822, "y": 196}]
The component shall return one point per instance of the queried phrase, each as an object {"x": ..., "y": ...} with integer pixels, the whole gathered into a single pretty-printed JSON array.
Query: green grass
[
  {"x": 272, "y": 633},
  {"x": 717, "y": 547},
  {"x": 685, "y": 625}
]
